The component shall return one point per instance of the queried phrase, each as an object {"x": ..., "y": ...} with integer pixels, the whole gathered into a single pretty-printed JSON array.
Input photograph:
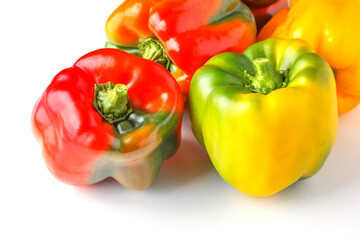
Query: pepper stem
[
  {"x": 153, "y": 50},
  {"x": 112, "y": 101},
  {"x": 267, "y": 78}
]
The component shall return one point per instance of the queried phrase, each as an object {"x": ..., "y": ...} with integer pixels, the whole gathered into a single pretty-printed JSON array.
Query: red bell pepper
[
  {"x": 263, "y": 10},
  {"x": 111, "y": 114},
  {"x": 181, "y": 34}
]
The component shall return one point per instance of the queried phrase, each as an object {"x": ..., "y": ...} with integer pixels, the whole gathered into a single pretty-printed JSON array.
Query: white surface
[{"x": 40, "y": 38}]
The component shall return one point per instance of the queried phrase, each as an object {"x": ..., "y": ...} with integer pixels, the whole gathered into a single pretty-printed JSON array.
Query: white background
[{"x": 188, "y": 199}]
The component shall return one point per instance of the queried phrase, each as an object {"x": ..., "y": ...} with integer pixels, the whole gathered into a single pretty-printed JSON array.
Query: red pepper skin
[
  {"x": 191, "y": 31},
  {"x": 81, "y": 148},
  {"x": 263, "y": 10}
]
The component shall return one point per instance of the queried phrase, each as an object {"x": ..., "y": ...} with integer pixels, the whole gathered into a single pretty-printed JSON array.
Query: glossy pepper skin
[
  {"x": 332, "y": 36},
  {"x": 190, "y": 31},
  {"x": 263, "y": 10},
  {"x": 82, "y": 147},
  {"x": 267, "y": 117}
]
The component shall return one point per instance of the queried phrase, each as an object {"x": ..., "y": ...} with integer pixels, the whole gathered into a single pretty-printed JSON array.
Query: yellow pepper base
[{"x": 277, "y": 142}]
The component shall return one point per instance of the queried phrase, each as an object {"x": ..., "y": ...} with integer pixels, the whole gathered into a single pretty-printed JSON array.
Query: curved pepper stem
[
  {"x": 112, "y": 101},
  {"x": 153, "y": 50},
  {"x": 267, "y": 78}
]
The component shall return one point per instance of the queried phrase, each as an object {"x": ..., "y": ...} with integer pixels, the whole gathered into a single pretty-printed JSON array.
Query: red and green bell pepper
[
  {"x": 111, "y": 114},
  {"x": 184, "y": 34}
]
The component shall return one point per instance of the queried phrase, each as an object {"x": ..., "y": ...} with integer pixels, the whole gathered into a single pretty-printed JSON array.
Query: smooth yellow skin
[{"x": 261, "y": 144}]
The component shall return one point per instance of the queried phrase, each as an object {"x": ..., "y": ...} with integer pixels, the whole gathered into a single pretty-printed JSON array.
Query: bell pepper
[
  {"x": 111, "y": 114},
  {"x": 263, "y": 10},
  {"x": 267, "y": 117},
  {"x": 181, "y": 34},
  {"x": 332, "y": 36}
]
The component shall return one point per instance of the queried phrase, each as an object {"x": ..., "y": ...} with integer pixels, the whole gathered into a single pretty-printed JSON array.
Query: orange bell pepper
[{"x": 330, "y": 27}]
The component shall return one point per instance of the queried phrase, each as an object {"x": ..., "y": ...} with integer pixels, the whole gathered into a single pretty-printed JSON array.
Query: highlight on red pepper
[
  {"x": 263, "y": 10},
  {"x": 111, "y": 114},
  {"x": 181, "y": 34}
]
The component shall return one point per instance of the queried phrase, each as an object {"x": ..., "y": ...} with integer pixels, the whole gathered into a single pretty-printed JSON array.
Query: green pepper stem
[
  {"x": 153, "y": 50},
  {"x": 267, "y": 78},
  {"x": 112, "y": 101}
]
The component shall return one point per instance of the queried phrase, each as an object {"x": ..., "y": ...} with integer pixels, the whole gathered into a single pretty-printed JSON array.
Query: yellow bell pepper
[{"x": 332, "y": 30}]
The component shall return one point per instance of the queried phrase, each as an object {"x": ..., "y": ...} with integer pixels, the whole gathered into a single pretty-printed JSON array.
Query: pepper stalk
[
  {"x": 112, "y": 101},
  {"x": 153, "y": 50},
  {"x": 266, "y": 78}
]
